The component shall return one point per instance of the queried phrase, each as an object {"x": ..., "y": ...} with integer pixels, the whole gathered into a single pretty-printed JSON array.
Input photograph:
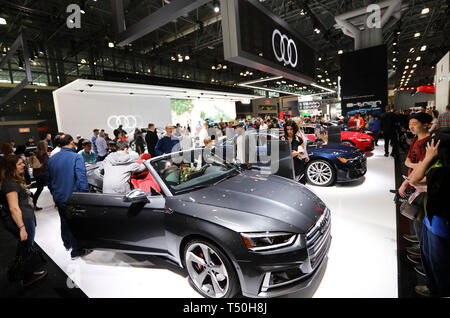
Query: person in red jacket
[{"x": 356, "y": 122}]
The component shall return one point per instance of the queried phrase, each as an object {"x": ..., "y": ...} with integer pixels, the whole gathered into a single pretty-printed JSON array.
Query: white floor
[{"x": 362, "y": 258}]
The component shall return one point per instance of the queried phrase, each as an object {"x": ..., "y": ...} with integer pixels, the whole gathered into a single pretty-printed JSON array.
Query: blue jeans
[
  {"x": 436, "y": 262},
  {"x": 66, "y": 234},
  {"x": 24, "y": 246}
]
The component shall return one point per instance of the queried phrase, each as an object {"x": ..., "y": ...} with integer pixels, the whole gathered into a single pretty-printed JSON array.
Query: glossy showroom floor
[{"x": 362, "y": 261}]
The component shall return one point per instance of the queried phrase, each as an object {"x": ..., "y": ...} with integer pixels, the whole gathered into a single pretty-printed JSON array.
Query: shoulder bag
[{"x": 413, "y": 206}]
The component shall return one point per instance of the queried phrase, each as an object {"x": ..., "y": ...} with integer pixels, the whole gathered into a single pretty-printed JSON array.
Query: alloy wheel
[
  {"x": 207, "y": 270},
  {"x": 319, "y": 173}
]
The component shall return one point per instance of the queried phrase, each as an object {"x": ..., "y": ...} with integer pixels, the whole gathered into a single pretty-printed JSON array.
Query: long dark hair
[
  {"x": 293, "y": 125},
  {"x": 8, "y": 170},
  {"x": 42, "y": 147}
]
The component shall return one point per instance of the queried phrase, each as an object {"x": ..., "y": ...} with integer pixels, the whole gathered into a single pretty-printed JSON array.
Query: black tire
[
  {"x": 233, "y": 282},
  {"x": 312, "y": 180}
]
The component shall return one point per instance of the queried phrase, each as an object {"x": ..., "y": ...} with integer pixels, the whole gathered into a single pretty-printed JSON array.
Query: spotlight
[
  {"x": 425, "y": 10},
  {"x": 187, "y": 57},
  {"x": 111, "y": 44},
  {"x": 2, "y": 21},
  {"x": 216, "y": 6}
]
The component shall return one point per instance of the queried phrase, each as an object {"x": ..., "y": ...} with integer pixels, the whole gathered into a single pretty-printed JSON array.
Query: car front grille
[
  {"x": 317, "y": 238},
  {"x": 317, "y": 241}
]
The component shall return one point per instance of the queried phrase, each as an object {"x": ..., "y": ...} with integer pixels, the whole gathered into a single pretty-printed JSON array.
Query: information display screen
[
  {"x": 364, "y": 80},
  {"x": 260, "y": 38},
  {"x": 255, "y": 37}
]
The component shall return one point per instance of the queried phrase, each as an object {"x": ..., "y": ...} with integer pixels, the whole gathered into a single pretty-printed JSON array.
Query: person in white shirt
[
  {"x": 263, "y": 125},
  {"x": 203, "y": 134},
  {"x": 57, "y": 144}
]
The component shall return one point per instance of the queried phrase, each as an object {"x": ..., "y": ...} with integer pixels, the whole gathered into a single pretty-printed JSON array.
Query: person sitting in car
[
  {"x": 118, "y": 167},
  {"x": 87, "y": 153}
]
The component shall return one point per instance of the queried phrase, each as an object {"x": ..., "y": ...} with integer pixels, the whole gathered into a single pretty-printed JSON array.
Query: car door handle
[{"x": 79, "y": 211}]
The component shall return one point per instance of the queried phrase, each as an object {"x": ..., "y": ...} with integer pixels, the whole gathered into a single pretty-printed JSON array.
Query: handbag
[
  {"x": 413, "y": 206},
  {"x": 34, "y": 162}
]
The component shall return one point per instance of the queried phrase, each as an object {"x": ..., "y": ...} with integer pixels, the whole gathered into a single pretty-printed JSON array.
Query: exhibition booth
[
  {"x": 189, "y": 223},
  {"x": 84, "y": 105}
]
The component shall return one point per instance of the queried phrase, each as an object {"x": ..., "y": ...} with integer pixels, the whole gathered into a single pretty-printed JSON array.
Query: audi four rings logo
[
  {"x": 285, "y": 52},
  {"x": 127, "y": 122}
]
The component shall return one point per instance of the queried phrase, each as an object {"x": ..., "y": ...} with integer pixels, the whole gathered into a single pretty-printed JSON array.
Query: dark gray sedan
[{"x": 232, "y": 230}]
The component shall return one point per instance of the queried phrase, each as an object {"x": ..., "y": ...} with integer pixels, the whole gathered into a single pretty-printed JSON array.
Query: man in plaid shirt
[{"x": 444, "y": 121}]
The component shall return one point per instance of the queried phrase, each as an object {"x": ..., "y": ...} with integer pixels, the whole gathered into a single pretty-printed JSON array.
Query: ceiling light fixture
[
  {"x": 425, "y": 10},
  {"x": 216, "y": 6},
  {"x": 340, "y": 52},
  {"x": 416, "y": 35},
  {"x": 423, "y": 48},
  {"x": 2, "y": 21}
]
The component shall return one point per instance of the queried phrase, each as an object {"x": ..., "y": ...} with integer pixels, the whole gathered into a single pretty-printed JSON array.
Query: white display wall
[
  {"x": 80, "y": 112},
  {"x": 442, "y": 83}
]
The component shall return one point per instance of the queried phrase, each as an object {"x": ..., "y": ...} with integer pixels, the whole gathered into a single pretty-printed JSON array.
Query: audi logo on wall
[
  {"x": 287, "y": 50},
  {"x": 127, "y": 121}
]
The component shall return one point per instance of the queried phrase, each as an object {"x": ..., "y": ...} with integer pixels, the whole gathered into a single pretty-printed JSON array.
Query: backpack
[{"x": 34, "y": 162}]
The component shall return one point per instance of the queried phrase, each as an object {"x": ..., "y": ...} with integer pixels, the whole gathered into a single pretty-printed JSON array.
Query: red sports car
[{"x": 352, "y": 138}]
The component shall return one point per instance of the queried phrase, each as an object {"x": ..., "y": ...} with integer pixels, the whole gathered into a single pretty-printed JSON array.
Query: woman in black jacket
[{"x": 297, "y": 144}]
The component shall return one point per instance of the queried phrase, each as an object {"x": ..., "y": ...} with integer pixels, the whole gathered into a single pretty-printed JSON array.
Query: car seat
[{"x": 144, "y": 180}]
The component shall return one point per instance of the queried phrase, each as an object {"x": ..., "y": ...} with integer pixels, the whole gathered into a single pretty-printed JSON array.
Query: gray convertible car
[{"x": 233, "y": 231}]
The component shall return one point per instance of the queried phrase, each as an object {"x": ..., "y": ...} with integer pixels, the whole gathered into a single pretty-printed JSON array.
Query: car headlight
[
  {"x": 267, "y": 240},
  {"x": 345, "y": 160},
  {"x": 363, "y": 140}
]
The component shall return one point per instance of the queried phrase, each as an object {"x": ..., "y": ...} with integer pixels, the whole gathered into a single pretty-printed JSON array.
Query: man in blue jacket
[
  {"x": 66, "y": 173},
  {"x": 167, "y": 143}
]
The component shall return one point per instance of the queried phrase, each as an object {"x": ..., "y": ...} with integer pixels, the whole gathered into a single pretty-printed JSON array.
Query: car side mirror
[{"x": 136, "y": 196}]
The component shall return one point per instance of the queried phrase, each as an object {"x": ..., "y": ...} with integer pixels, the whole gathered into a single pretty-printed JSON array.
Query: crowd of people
[
  {"x": 424, "y": 196},
  {"x": 64, "y": 172}
]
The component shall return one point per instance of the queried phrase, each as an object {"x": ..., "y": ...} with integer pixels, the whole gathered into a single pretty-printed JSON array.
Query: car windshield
[{"x": 190, "y": 170}]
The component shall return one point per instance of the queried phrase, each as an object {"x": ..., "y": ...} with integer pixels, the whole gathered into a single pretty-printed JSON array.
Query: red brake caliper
[{"x": 200, "y": 267}]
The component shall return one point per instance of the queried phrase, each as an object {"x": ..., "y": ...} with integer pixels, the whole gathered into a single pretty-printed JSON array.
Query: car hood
[
  {"x": 353, "y": 134},
  {"x": 335, "y": 149},
  {"x": 265, "y": 195}
]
